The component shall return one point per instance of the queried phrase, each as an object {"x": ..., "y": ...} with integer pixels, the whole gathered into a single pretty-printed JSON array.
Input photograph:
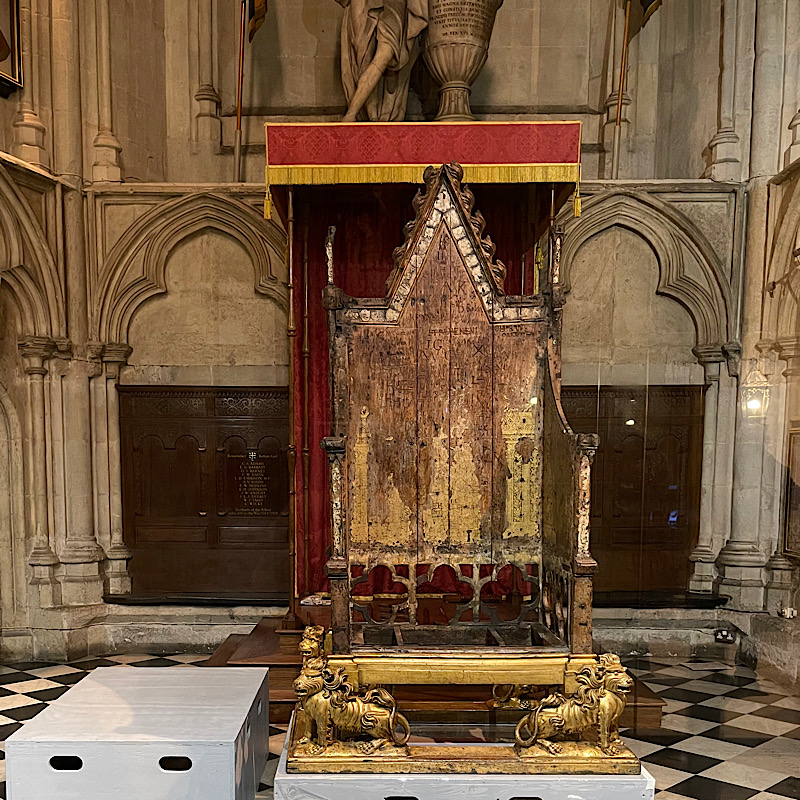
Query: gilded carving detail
[
  {"x": 590, "y": 716},
  {"x": 337, "y": 719},
  {"x": 585, "y": 479}
]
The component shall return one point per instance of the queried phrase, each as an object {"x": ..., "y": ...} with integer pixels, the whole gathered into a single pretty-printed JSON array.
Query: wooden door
[
  {"x": 205, "y": 490},
  {"x": 645, "y": 482}
]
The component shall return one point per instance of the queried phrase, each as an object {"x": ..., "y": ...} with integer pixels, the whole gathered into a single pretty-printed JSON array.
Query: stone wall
[
  {"x": 138, "y": 87},
  {"x": 210, "y": 327}
]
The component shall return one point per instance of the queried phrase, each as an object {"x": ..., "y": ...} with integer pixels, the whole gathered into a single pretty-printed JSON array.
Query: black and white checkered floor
[{"x": 725, "y": 734}]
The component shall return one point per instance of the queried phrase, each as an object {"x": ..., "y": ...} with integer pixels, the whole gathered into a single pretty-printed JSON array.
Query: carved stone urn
[{"x": 455, "y": 50}]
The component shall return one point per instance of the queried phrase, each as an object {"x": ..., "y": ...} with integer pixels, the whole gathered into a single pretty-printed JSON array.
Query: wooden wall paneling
[{"x": 205, "y": 490}]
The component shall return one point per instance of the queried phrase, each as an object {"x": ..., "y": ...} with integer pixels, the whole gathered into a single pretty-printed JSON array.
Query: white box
[
  {"x": 395, "y": 786},
  {"x": 211, "y": 724}
]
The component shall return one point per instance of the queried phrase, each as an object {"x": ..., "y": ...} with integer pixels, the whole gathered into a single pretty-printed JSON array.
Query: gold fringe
[{"x": 301, "y": 175}]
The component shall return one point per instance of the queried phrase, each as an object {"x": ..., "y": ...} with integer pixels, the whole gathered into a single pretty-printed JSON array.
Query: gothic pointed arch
[
  {"x": 703, "y": 291},
  {"x": 27, "y": 265},
  {"x": 135, "y": 269},
  {"x": 782, "y": 308}
]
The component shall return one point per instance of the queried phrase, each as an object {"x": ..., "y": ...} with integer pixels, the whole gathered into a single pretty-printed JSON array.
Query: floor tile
[
  {"x": 715, "y": 748},
  {"x": 708, "y": 687},
  {"x": 686, "y": 724},
  {"x": 33, "y": 686},
  {"x": 762, "y": 725},
  {"x": 709, "y": 713},
  {"x": 155, "y": 662},
  {"x": 756, "y": 696},
  {"x": 15, "y": 677},
  {"x": 790, "y": 787},
  {"x": 682, "y": 760},
  {"x": 129, "y": 658},
  {"x": 680, "y": 672},
  {"x": 783, "y": 714},
  {"x": 14, "y": 701},
  {"x": 7, "y": 728},
  {"x": 190, "y": 658},
  {"x": 769, "y": 686},
  {"x": 666, "y": 777},
  {"x": 742, "y": 775},
  {"x": 709, "y": 789},
  {"x": 48, "y": 672},
  {"x": 708, "y": 666},
  {"x": 93, "y": 663},
  {"x": 675, "y": 706},
  {"x": 727, "y": 733},
  {"x": 730, "y": 680},
  {"x": 788, "y": 702},
  {"x": 48, "y": 695},
  {"x": 662, "y": 736},
  {"x": 639, "y": 748},
  {"x": 69, "y": 679},
  {"x": 679, "y": 693},
  {"x": 731, "y": 704},
  {"x": 24, "y": 713},
  {"x": 659, "y": 684},
  {"x": 778, "y": 754}
]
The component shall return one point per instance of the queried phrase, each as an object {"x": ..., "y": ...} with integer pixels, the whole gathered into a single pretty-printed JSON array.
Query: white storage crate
[{"x": 146, "y": 733}]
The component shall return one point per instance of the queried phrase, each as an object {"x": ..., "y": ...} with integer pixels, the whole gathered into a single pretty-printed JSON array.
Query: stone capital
[
  {"x": 35, "y": 350},
  {"x": 733, "y": 355},
  {"x": 116, "y": 352},
  {"x": 710, "y": 357}
]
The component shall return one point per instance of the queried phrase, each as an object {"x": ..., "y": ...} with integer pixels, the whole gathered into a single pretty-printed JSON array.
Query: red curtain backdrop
[{"x": 369, "y": 224}]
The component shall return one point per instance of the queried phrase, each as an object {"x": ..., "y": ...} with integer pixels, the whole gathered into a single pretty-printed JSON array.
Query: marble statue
[{"x": 380, "y": 43}]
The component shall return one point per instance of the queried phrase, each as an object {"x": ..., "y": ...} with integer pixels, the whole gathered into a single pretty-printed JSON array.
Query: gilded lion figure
[
  {"x": 335, "y": 713},
  {"x": 596, "y": 706}
]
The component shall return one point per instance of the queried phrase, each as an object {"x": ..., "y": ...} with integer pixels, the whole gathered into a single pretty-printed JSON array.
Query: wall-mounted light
[{"x": 755, "y": 394}]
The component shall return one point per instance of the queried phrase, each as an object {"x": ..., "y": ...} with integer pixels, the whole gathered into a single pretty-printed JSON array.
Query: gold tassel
[
  {"x": 576, "y": 202},
  {"x": 268, "y": 204}
]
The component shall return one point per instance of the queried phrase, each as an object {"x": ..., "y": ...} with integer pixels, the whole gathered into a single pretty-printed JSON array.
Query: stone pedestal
[
  {"x": 740, "y": 566},
  {"x": 296, "y": 786}
]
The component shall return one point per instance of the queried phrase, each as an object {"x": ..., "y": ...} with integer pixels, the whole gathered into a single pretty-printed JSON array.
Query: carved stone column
[
  {"x": 740, "y": 562},
  {"x": 35, "y": 351},
  {"x": 28, "y": 128},
  {"x": 711, "y": 358},
  {"x": 584, "y": 566},
  {"x": 725, "y": 146},
  {"x": 107, "y": 148},
  {"x": 208, "y": 101},
  {"x": 337, "y": 568},
  {"x": 614, "y": 76},
  {"x": 81, "y": 579},
  {"x": 118, "y": 580},
  {"x": 792, "y": 152}
]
